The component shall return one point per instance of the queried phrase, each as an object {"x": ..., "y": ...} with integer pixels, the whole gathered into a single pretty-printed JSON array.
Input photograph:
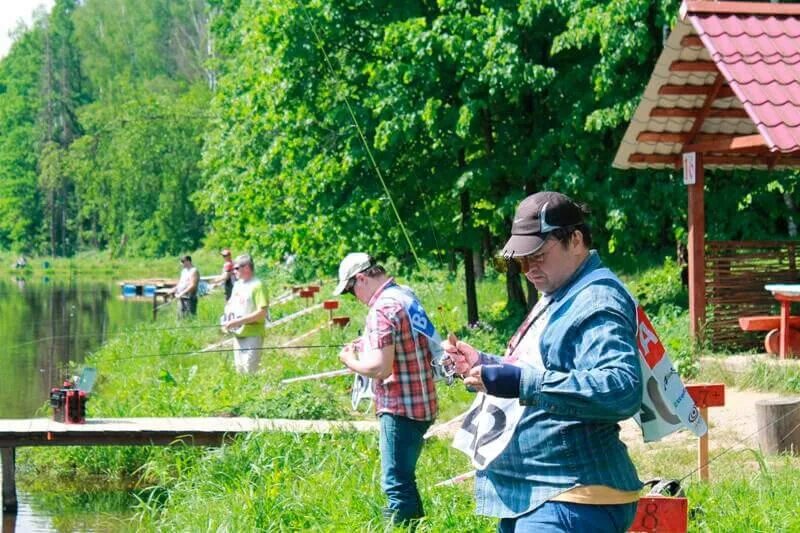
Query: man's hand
[
  {"x": 474, "y": 380},
  {"x": 348, "y": 354},
  {"x": 463, "y": 355},
  {"x": 232, "y": 324}
]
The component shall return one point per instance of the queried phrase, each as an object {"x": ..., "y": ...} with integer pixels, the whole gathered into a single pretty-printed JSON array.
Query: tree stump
[{"x": 779, "y": 422}]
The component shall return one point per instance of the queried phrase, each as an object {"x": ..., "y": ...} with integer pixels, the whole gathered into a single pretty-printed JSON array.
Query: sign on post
[
  {"x": 661, "y": 514},
  {"x": 705, "y": 395},
  {"x": 689, "y": 168}
]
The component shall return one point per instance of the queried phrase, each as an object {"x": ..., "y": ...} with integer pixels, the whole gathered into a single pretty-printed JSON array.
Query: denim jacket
[{"x": 568, "y": 434}]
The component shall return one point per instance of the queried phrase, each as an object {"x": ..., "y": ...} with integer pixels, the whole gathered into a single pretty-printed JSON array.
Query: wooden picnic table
[{"x": 785, "y": 293}]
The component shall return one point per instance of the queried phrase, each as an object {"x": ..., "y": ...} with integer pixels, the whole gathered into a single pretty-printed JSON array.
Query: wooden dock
[{"x": 200, "y": 431}]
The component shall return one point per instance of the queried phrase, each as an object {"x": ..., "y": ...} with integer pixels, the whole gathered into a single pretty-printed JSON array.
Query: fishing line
[
  {"x": 200, "y": 351},
  {"x": 126, "y": 331},
  {"x": 426, "y": 285},
  {"x": 742, "y": 441},
  {"x": 133, "y": 330},
  {"x": 375, "y": 167},
  {"x": 106, "y": 334}
]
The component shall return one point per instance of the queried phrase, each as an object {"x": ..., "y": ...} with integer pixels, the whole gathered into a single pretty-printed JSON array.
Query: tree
[
  {"x": 62, "y": 92},
  {"x": 20, "y": 211}
]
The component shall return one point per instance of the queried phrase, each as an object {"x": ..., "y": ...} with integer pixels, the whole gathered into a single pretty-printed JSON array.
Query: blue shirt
[{"x": 568, "y": 434}]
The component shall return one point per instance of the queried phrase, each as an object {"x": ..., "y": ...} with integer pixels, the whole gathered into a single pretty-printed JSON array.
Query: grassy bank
[
  {"x": 753, "y": 372},
  {"x": 285, "y": 482},
  {"x": 103, "y": 263}
]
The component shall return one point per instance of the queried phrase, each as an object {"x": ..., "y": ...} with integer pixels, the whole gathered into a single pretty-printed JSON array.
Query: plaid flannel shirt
[{"x": 409, "y": 391}]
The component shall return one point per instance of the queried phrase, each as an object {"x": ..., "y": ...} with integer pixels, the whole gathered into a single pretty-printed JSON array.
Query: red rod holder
[{"x": 340, "y": 321}]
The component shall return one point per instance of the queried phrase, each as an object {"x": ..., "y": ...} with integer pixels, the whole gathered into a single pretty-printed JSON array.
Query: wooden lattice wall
[{"x": 736, "y": 272}]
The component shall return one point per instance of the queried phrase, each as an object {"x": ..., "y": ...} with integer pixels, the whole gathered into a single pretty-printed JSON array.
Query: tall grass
[
  {"x": 287, "y": 482},
  {"x": 754, "y": 374}
]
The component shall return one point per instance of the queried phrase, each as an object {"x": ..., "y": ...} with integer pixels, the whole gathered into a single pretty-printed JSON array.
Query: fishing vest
[
  {"x": 666, "y": 405},
  {"x": 420, "y": 325}
]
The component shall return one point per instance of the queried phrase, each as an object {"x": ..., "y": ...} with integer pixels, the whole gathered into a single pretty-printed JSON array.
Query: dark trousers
[{"x": 187, "y": 306}]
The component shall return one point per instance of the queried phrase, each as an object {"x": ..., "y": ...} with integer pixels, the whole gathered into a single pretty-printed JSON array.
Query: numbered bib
[
  {"x": 488, "y": 428},
  {"x": 666, "y": 405},
  {"x": 441, "y": 364},
  {"x": 230, "y": 316}
]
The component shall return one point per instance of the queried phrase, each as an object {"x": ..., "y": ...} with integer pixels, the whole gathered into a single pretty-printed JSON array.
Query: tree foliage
[
  {"x": 105, "y": 105},
  {"x": 264, "y": 125},
  {"x": 19, "y": 106}
]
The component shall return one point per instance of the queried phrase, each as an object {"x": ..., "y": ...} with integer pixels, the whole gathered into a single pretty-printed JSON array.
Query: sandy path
[{"x": 730, "y": 423}]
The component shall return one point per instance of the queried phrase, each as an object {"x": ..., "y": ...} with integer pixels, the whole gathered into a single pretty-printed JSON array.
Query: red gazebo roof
[{"x": 727, "y": 84}]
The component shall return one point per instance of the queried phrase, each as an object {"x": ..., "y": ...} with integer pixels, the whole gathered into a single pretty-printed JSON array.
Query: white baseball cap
[{"x": 352, "y": 264}]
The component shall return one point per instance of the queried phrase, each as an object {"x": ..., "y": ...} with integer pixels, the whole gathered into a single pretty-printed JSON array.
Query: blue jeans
[
  {"x": 564, "y": 516},
  {"x": 401, "y": 443}
]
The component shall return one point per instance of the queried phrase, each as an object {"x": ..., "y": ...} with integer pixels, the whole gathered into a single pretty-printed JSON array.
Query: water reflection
[
  {"x": 95, "y": 512},
  {"x": 46, "y": 323}
]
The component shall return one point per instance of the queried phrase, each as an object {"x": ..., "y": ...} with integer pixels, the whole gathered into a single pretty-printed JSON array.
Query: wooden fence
[{"x": 736, "y": 272}]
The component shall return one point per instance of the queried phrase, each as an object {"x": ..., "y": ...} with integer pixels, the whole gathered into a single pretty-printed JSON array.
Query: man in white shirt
[
  {"x": 186, "y": 289},
  {"x": 245, "y": 314}
]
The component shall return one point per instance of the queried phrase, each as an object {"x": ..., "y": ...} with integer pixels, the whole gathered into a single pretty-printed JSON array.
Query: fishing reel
[{"x": 444, "y": 368}]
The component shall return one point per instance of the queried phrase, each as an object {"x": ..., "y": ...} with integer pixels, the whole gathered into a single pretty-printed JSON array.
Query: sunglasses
[
  {"x": 501, "y": 264},
  {"x": 239, "y": 267}
]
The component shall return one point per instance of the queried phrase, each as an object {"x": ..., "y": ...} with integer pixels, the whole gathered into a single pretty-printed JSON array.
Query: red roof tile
[{"x": 757, "y": 50}]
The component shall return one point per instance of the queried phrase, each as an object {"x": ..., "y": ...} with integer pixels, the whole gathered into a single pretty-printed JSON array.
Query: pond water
[{"x": 44, "y": 324}]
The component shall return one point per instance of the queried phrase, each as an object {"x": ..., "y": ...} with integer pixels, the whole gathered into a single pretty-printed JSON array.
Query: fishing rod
[
  {"x": 467, "y": 475},
  {"x": 165, "y": 304},
  {"x": 227, "y": 350},
  {"x": 269, "y": 325},
  {"x": 423, "y": 268}
]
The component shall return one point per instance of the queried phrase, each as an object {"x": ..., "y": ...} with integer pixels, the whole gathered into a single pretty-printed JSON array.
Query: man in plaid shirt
[{"x": 400, "y": 363}]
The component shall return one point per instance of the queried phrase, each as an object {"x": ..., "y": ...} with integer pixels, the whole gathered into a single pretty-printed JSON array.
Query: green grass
[
  {"x": 285, "y": 482},
  {"x": 101, "y": 263},
  {"x": 757, "y": 375},
  {"x": 747, "y": 490}
]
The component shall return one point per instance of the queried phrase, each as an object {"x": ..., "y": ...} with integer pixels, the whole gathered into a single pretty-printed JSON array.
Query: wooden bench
[
  {"x": 772, "y": 325},
  {"x": 765, "y": 322}
]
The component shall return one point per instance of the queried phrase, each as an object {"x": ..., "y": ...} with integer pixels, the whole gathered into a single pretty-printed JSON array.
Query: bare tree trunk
[
  {"x": 467, "y": 251},
  {"x": 469, "y": 265},
  {"x": 533, "y": 294},
  {"x": 477, "y": 265},
  {"x": 514, "y": 292},
  {"x": 790, "y": 205}
]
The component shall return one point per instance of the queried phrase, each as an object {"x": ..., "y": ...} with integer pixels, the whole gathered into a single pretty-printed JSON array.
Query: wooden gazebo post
[
  {"x": 694, "y": 177},
  {"x": 724, "y": 93}
]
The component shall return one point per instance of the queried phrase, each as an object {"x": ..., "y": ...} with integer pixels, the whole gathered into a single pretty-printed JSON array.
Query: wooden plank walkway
[
  {"x": 199, "y": 431},
  {"x": 159, "y": 431}
]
